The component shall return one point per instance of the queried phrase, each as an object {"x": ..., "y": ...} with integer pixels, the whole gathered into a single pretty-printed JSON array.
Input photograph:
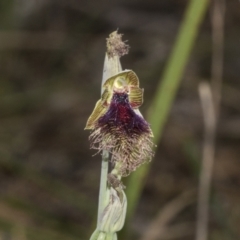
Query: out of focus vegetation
[{"x": 51, "y": 58}]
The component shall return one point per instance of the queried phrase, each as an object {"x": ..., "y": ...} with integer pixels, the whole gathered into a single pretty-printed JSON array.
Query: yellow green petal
[
  {"x": 132, "y": 79},
  {"x": 98, "y": 111},
  {"x": 135, "y": 97},
  {"x": 124, "y": 78},
  {"x": 106, "y": 97}
]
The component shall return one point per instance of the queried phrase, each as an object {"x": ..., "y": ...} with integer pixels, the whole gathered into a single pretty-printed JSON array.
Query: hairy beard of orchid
[
  {"x": 124, "y": 133},
  {"x": 118, "y": 127}
]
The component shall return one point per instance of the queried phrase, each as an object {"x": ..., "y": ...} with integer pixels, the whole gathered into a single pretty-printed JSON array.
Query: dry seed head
[{"x": 115, "y": 45}]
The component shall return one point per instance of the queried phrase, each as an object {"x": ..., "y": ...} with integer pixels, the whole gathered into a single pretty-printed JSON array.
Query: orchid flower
[{"x": 118, "y": 126}]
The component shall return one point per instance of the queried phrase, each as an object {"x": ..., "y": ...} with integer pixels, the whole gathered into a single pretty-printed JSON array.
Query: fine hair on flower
[{"x": 118, "y": 126}]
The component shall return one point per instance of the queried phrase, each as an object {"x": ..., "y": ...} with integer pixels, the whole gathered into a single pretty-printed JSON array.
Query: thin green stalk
[
  {"x": 103, "y": 185},
  {"x": 111, "y": 67},
  {"x": 166, "y": 90}
]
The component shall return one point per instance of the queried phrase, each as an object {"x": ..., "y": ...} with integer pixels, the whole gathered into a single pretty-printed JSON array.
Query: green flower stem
[
  {"x": 166, "y": 91},
  {"x": 111, "y": 67},
  {"x": 115, "y": 171},
  {"x": 103, "y": 186}
]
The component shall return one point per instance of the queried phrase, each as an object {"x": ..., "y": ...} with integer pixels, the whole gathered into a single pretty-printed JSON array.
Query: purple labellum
[
  {"x": 121, "y": 118},
  {"x": 124, "y": 133},
  {"x": 118, "y": 127}
]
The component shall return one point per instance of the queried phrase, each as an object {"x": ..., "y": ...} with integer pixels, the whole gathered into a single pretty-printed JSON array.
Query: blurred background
[{"x": 51, "y": 60}]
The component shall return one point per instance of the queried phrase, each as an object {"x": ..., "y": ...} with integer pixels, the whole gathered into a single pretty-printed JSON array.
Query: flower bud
[{"x": 112, "y": 218}]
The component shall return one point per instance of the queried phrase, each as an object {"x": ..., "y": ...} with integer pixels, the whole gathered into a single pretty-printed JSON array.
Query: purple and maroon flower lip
[
  {"x": 121, "y": 117},
  {"x": 117, "y": 125}
]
